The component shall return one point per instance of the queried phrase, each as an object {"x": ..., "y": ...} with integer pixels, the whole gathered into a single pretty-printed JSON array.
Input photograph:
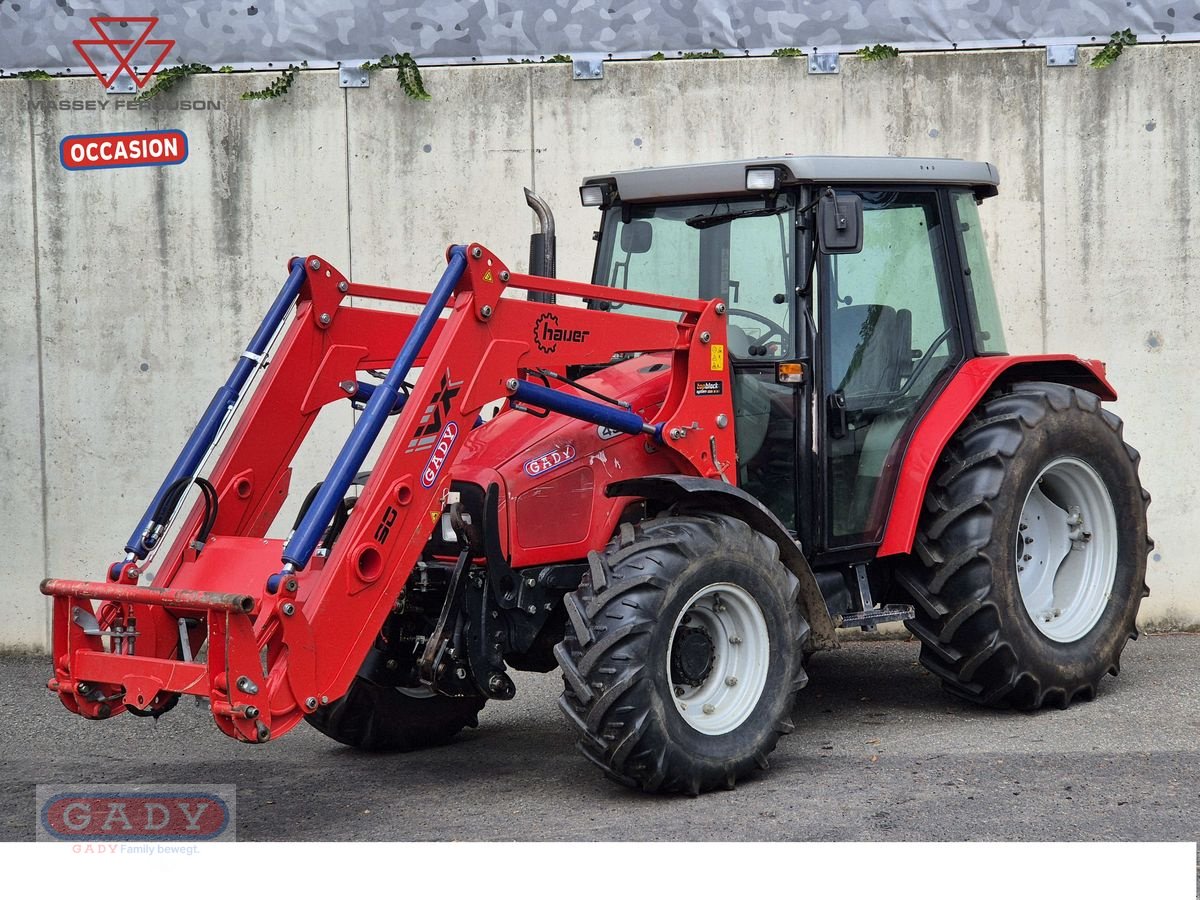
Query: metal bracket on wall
[
  {"x": 123, "y": 84},
  {"x": 822, "y": 64},
  {"x": 587, "y": 69},
  {"x": 1062, "y": 55},
  {"x": 353, "y": 75}
]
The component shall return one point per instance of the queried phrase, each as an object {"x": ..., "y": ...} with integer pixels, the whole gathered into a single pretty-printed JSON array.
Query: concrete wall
[{"x": 130, "y": 292}]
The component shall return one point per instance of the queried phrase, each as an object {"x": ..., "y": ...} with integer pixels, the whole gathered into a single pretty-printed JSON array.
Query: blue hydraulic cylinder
[
  {"x": 146, "y": 535},
  {"x": 577, "y": 408},
  {"x": 383, "y": 399},
  {"x": 364, "y": 390}
]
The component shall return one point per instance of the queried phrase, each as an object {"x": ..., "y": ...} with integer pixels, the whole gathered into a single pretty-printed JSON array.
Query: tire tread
[
  {"x": 960, "y": 629},
  {"x": 608, "y": 696}
]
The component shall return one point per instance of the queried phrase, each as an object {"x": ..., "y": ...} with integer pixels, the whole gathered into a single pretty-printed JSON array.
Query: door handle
[{"x": 838, "y": 426}]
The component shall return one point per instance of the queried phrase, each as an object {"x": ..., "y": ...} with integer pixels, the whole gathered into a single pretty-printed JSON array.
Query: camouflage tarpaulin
[{"x": 38, "y": 34}]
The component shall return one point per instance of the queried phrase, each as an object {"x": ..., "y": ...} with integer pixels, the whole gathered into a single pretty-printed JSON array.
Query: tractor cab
[{"x": 854, "y": 287}]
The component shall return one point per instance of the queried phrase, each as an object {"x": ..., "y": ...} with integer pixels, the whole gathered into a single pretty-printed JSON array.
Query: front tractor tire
[
  {"x": 682, "y": 654},
  {"x": 1030, "y": 557},
  {"x": 386, "y": 719}
]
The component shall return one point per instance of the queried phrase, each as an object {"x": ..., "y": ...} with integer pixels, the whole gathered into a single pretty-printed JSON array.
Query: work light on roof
[
  {"x": 594, "y": 194},
  {"x": 762, "y": 179}
]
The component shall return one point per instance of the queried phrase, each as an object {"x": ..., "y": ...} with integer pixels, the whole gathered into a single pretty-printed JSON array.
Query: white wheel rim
[
  {"x": 737, "y": 629},
  {"x": 418, "y": 693},
  {"x": 1066, "y": 551}
]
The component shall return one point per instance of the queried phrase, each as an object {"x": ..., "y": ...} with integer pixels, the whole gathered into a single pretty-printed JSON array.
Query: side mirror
[
  {"x": 636, "y": 235},
  {"x": 840, "y": 223}
]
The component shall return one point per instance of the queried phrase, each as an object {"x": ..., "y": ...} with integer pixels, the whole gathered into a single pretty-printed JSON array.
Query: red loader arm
[{"x": 313, "y": 617}]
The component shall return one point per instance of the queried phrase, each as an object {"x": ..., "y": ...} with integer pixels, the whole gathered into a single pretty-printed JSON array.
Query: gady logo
[
  {"x": 441, "y": 451},
  {"x": 135, "y": 813},
  {"x": 124, "y": 49},
  {"x": 559, "y": 456},
  {"x": 547, "y": 333}
]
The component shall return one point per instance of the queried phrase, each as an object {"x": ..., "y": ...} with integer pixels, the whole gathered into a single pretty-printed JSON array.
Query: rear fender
[
  {"x": 968, "y": 386},
  {"x": 691, "y": 493}
]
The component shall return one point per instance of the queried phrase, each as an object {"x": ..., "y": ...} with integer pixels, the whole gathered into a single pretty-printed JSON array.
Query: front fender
[
  {"x": 968, "y": 386},
  {"x": 689, "y": 492}
]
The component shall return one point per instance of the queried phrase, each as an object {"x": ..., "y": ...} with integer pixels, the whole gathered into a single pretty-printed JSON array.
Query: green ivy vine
[
  {"x": 1116, "y": 45},
  {"x": 556, "y": 58},
  {"x": 169, "y": 78},
  {"x": 407, "y": 73},
  {"x": 276, "y": 88},
  {"x": 877, "y": 52}
]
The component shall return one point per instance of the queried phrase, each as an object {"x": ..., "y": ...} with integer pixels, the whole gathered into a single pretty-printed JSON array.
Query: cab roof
[{"x": 717, "y": 178}]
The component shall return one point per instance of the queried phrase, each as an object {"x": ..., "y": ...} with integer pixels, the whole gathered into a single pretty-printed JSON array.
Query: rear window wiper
[{"x": 721, "y": 218}]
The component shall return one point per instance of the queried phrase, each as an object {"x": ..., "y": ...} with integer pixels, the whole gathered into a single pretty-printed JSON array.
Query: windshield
[{"x": 737, "y": 250}]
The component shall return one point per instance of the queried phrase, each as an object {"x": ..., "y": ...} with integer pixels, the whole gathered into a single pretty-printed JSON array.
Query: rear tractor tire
[
  {"x": 1030, "y": 557},
  {"x": 682, "y": 654}
]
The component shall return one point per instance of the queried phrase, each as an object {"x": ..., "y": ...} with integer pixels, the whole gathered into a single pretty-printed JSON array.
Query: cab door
[
  {"x": 743, "y": 251},
  {"x": 889, "y": 337},
  {"x": 750, "y": 263}
]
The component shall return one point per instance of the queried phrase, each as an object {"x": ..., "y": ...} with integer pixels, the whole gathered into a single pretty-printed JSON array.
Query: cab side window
[{"x": 890, "y": 331}]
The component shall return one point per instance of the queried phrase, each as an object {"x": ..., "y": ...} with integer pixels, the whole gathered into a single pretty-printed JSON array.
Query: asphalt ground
[{"x": 880, "y": 753}]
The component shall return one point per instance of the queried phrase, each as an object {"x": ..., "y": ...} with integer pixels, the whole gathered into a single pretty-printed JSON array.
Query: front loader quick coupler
[{"x": 100, "y": 671}]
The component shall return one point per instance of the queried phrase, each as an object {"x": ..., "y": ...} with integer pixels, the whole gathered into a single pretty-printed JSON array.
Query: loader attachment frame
[{"x": 287, "y": 624}]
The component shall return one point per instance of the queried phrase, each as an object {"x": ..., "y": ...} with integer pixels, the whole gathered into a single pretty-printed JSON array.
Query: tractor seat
[
  {"x": 738, "y": 341},
  {"x": 872, "y": 351},
  {"x": 871, "y": 356}
]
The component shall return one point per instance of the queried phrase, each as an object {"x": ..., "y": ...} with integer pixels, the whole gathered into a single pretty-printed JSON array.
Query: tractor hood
[{"x": 553, "y": 470}]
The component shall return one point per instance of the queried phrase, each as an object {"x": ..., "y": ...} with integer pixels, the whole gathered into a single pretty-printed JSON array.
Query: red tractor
[{"x": 676, "y": 501}]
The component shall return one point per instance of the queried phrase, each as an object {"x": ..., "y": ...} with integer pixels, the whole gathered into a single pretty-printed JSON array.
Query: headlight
[
  {"x": 595, "y": 194},
  {"x": 762, "y": 179}
]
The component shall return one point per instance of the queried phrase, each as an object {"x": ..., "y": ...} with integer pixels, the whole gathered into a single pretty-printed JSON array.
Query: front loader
[{"x": 673, "y": 500}]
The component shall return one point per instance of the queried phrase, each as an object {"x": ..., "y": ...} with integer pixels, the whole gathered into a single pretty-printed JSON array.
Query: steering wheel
[
  {"x": 772, "y": 326},
  {"x": 924, "y": 363}
]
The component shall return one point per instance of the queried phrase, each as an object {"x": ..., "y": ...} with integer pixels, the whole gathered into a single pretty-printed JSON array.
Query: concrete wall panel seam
[{"x": 41, "y": 378}]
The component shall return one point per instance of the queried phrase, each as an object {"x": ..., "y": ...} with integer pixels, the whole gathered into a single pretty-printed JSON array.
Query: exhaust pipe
[{"x": 541, "y": 245}]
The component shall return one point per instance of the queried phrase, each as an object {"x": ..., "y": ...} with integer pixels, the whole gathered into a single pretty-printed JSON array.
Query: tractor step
[{"x": 869, "y": 618}]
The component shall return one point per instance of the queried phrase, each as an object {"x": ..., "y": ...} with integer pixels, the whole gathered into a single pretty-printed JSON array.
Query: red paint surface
[{"x": 949, "y": 411}]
